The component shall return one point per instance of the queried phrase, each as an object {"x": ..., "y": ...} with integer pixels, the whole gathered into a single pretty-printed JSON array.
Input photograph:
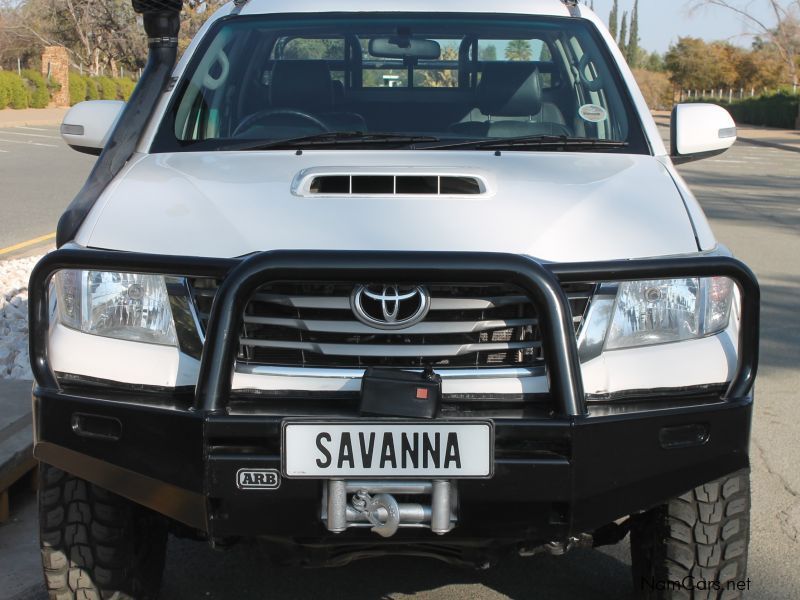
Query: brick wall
[{"x": 55, "y": 64}]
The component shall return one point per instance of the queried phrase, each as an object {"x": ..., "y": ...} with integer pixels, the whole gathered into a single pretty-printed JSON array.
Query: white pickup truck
[{"x": 366, "y": 278}]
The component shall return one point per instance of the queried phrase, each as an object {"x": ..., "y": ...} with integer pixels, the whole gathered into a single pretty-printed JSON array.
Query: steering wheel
[
  {"x": 593, "y": 84},
  {"x": 263, "y": 115}
]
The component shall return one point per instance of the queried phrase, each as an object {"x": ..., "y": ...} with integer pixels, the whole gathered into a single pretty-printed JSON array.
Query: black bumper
[
  {"x": 557, "y": 473},
  {"x": 554, "y": 478}
]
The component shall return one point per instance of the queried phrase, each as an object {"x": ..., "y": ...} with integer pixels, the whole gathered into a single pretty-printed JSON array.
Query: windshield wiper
[
  {"x": 333, "y": 138},
  {"x": 559, "y": 142}
]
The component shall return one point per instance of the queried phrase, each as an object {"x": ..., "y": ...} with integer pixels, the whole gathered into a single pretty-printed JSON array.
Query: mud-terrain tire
[
  {"x": 97, "y": 545},
  {"x": 695, "y": 546}
]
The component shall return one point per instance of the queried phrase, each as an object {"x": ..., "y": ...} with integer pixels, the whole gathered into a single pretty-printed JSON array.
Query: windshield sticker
[{"x": 592, "y": 113}]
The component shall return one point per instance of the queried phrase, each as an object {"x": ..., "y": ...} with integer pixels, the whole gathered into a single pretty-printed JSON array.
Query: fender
[{"x": 162, "y": 24}]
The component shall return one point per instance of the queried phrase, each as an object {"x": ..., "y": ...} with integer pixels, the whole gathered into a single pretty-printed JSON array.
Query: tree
[
  {"x": 440, "y": 78},
  {"x": 694, "y": 64},
  {"x": 519, "y": 50},
  {"x": 488, "y": 53},
  {"x": 759, "y": 68},
  {"x": 15, "y": 41},
  {"x": 313, "y": 49},
  {"x": 656, "y": 88},
  {"x": 783, "y": 34},
  {"x": 632, "y": 49},
  {"x": 653, "y": 62},
  {"x": 623, "y": 34},
  {"x": 195, "y": 13},
  {"x": 613, "y": 19},
  {"x": 98, "y": 33}
]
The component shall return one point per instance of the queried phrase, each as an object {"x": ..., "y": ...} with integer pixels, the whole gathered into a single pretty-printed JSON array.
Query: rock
[
  {"x": 22, "y": 360},
  {"x": 14, "y": 276},
  {"x": 6, "y": 355}
]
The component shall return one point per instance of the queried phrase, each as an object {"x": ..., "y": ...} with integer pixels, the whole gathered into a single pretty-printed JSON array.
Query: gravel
[{"x": 14, "y": 361}]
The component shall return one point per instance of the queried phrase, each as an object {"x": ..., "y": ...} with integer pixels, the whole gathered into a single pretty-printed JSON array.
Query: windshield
[{"x": 401, "y": 81}]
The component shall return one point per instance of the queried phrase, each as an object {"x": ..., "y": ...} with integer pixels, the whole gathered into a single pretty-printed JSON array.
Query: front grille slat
[
  {"x": 323, "y": 302},
  {"x": 356, "y": 327},
  {"x": 343, "y": 303},
  {"x": 469, "y": 326},
  {"x": 398, "y": 350}
]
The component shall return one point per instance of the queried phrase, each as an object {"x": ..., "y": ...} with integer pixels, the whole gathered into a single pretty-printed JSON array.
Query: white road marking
[
  {"x": 29, "y": 143},
  {"x": 1, "y": 150},
  {"x": 32, "y": 128},
  {"x": 52, "y": 137}
]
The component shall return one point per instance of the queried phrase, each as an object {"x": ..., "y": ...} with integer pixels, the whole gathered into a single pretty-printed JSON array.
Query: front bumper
[{"x": 561, "y": 469}]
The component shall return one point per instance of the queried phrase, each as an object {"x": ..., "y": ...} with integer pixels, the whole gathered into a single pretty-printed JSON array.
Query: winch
[{"x": 365, "y": 503}]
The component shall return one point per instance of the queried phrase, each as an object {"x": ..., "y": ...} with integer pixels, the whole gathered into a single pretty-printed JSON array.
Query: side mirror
[
  {"x": 700, "y": 131},
  {"x": 87, "y": 125}
]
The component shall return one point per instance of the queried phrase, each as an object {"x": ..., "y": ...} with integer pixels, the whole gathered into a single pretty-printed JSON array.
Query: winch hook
[{"x": 369, "y": 505}]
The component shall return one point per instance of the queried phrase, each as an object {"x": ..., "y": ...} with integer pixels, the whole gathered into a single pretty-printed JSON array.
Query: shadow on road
[
  {"x": 780, "y": 331},
  {"x": 772, "y": 201},
  {"x": 196, "y": 571}
]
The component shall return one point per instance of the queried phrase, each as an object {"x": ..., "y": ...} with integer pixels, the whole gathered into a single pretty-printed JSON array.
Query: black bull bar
[{"x": 539, "y": 281}]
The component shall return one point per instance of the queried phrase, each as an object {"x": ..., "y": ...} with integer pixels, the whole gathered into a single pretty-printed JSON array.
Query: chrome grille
[{"x": 312, "y": 325}]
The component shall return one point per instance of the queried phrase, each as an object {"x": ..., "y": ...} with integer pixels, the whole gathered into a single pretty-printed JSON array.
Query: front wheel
[
  {"x": 95, "y": 544},
  {"x": 695, "y": 546}
]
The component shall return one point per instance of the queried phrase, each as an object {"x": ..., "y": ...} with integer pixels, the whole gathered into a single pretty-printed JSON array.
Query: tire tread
[
  {"x": 703, "y": 534},
  {"x": 96, "y": 545}
]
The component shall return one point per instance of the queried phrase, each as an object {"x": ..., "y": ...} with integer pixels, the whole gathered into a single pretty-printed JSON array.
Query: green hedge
[
  {"x": 107, "y": 88},
  {"x": 38, "y": 92},
  {"x": 31, "y": 90},
  {"x": 84, "y": 87},
  {"x": 92, "y": 89},
  {"x": 777, "y": 110},
  {"x": 77, "y": 88},
  {"x": 13, "y": 93},
  {"x": 125, "y": 87}
]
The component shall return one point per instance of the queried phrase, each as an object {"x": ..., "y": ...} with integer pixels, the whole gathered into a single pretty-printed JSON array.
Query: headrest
[
  {"x": 338, "y": 91},
  {"x": 301, "y": 84},
  {"x": 510, "y": 89}
]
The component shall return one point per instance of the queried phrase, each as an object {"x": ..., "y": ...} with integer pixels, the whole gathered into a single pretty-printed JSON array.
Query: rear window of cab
[{"x": 455, "y": 77}]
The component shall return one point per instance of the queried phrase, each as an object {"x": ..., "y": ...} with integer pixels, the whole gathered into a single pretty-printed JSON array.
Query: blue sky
[{"x": 661, "y": 22}]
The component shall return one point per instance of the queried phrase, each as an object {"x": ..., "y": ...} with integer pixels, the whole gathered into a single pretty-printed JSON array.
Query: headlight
[
  {"x": 671, "y": 310},
  {"x": 126, "y": 306}
]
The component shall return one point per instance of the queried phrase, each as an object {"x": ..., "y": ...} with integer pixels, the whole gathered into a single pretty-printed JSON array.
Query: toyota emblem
[{"x": 390, "y": 306}]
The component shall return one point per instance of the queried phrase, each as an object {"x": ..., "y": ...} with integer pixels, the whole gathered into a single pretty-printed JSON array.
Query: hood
[{"x": 554, "y": 206}]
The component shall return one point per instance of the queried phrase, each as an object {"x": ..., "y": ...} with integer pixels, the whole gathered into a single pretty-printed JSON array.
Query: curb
[
  {"x": 27, "y": 252},
  {"x": 30, "y": 123},
  {"x": 16, "y": 437},
  {"x": 762, "y": 143},
  {"x": 31, "y": 117}
]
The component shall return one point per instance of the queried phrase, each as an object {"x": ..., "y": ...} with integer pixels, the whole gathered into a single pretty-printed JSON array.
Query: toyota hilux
[{"x": 373, "y": 278}]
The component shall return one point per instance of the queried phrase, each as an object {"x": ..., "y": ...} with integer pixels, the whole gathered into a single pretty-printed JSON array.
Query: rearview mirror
[
  {"x": 700, "y": 131},
  {"x": 405, "y": 47},
  {"x": 87, "y": 125}
]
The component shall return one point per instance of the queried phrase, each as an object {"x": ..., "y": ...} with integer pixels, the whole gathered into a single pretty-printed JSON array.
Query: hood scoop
[{"x": 387, "y": 184}]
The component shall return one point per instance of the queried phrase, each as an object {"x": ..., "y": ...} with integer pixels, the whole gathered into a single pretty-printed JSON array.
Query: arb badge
[{"x": 258, "y": 479}]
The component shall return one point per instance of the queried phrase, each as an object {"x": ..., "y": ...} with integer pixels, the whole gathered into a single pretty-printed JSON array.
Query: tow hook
[
  {"x": 557, "y": 547},
  {"x": 370, "y": 505}
]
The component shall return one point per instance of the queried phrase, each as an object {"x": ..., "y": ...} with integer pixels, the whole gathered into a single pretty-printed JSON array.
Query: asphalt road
[
  {"x": 39, "y": 175},
  {"x": 751, "y": 196}
]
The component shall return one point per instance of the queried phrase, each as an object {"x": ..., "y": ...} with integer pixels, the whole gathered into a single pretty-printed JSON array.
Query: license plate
[{"x": 388, "y": 449}]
